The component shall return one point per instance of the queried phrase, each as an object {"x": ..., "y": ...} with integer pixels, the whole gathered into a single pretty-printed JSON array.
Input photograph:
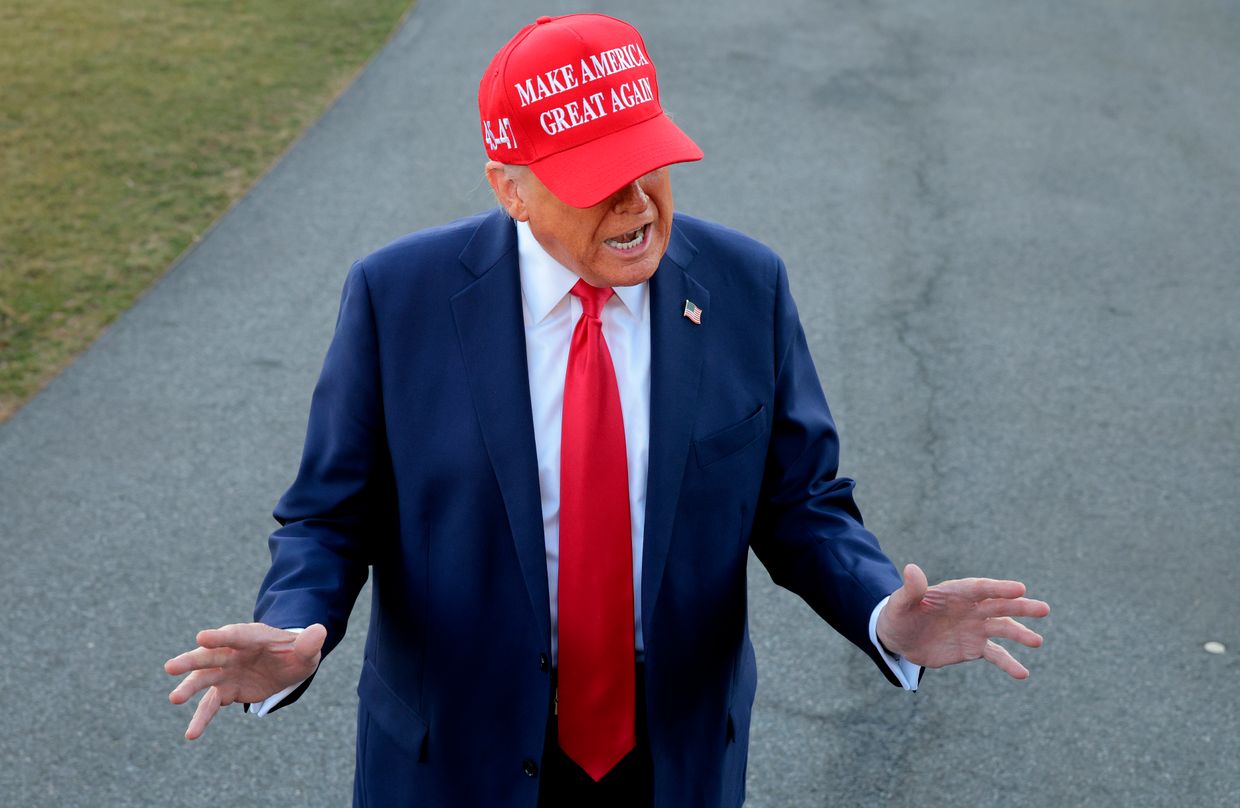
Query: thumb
[
  {"x": 309, "y": 643},
  {"x": 914, "y": 588}
]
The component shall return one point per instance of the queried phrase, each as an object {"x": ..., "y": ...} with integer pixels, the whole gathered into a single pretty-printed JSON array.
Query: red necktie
[{"x": 595, "y": 601}]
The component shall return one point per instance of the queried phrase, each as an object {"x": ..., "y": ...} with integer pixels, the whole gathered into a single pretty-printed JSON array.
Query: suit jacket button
[
  {"x": 543, "y": 664},
  {"x": 530, "y": 767}
]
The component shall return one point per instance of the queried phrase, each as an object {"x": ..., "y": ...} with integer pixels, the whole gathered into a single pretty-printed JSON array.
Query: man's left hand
[{"x": 954, "y": 621}]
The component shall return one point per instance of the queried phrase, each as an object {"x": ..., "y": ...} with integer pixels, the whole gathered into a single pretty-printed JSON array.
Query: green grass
[{"x": 126, "y": 128}]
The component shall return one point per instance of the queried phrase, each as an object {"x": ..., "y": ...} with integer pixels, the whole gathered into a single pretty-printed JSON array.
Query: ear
[{"x": 507, "y": 190}]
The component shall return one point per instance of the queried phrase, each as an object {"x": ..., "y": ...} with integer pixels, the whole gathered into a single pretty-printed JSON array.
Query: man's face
[{"x": 618, "y": 242}]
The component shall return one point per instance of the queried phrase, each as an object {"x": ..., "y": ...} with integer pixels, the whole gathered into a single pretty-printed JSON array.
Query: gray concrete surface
[{"x": 1013, "y": 233}]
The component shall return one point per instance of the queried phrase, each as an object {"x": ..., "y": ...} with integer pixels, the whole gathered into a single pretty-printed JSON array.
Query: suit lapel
[
  {"x": 676, "y": 347},
  {"x": 489, "y": 326}
]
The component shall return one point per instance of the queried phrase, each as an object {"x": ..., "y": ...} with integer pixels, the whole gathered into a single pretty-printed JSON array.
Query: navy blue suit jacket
[{"x": 419, "y": 467}]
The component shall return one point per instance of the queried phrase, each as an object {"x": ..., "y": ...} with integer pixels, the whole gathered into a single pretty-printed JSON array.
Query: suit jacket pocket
[
  {"x": 386, "y": 709},
  {"x": 728, "y": 441}
]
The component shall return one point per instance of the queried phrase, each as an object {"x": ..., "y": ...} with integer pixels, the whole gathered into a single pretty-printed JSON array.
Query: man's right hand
[{"x": 245, "y": 662}]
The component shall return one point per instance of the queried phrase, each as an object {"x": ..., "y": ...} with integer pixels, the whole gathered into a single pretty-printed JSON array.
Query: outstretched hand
[
  {"x": 246, "y": 662},
  {"x": 954, "y": 621}
]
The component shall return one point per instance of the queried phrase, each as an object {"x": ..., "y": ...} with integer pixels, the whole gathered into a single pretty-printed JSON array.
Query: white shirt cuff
[
  {"x": 905, "y": 671},
  {"x": 271, "y": 702}
]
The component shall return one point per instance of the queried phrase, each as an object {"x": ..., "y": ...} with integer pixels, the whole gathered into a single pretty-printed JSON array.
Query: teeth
[{"x": 631, "y": 239}]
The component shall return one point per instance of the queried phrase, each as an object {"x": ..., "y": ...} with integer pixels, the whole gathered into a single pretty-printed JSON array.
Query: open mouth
[{"x": 631, "y": 240}]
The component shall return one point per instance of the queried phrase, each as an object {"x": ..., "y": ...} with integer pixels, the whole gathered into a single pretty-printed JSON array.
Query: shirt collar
[{"x": 545, "y": 281}]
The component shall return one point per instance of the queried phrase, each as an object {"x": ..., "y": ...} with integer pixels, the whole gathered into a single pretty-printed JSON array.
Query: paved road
[{"x": 1013, "y": 234}]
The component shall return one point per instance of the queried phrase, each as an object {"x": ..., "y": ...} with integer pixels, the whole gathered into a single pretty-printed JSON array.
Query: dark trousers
[{"x": 563, "y": 784}]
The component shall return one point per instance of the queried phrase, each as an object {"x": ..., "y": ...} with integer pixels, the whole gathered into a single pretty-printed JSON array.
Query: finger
[
  {"x": 208, "y": 706},
  {"x": 1014, "y": 607},
  {"x": 914, "y": 588},
  {"x": 999, "y": 656},
  {"x": 193, "y": 683},
  {"x": 984, "y": 588},
  {"x": 243, "y": 636},
  {"x": 1008, "y": 629},
  {"x": 198, "y": 659},
  {"x": 309, "y": 643}
]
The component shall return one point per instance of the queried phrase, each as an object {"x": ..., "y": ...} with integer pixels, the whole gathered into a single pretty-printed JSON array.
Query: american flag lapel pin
[{"x": 693, "y": 312}]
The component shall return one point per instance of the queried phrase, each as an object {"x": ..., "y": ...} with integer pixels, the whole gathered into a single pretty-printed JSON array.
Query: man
[{"x": 552, "y": 433}]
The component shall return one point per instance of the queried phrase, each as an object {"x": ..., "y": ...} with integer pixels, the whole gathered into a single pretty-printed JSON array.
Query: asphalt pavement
[{"x": 1012, "y": 232}]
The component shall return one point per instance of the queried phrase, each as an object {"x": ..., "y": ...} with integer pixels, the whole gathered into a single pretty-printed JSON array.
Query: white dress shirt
[{"x": 550, "y": 313}]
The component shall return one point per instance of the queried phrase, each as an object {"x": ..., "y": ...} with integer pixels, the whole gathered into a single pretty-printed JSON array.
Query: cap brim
[{"x": 587, "y": 174}]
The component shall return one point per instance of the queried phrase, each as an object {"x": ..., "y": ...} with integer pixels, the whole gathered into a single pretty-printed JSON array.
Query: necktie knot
[{"x": 592, "y": 297}]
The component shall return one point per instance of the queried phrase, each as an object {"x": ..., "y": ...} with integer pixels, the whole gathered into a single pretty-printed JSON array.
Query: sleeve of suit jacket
[
  {"x": 337, "y": 504},
  {"x": 808, "y": 530}
]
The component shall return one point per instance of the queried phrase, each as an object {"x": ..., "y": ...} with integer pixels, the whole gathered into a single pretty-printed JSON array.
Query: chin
[{"x": 632, "y": 275}]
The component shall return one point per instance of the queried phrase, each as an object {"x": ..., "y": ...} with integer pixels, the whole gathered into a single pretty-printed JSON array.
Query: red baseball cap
[{"x": 576, "y": 99}]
